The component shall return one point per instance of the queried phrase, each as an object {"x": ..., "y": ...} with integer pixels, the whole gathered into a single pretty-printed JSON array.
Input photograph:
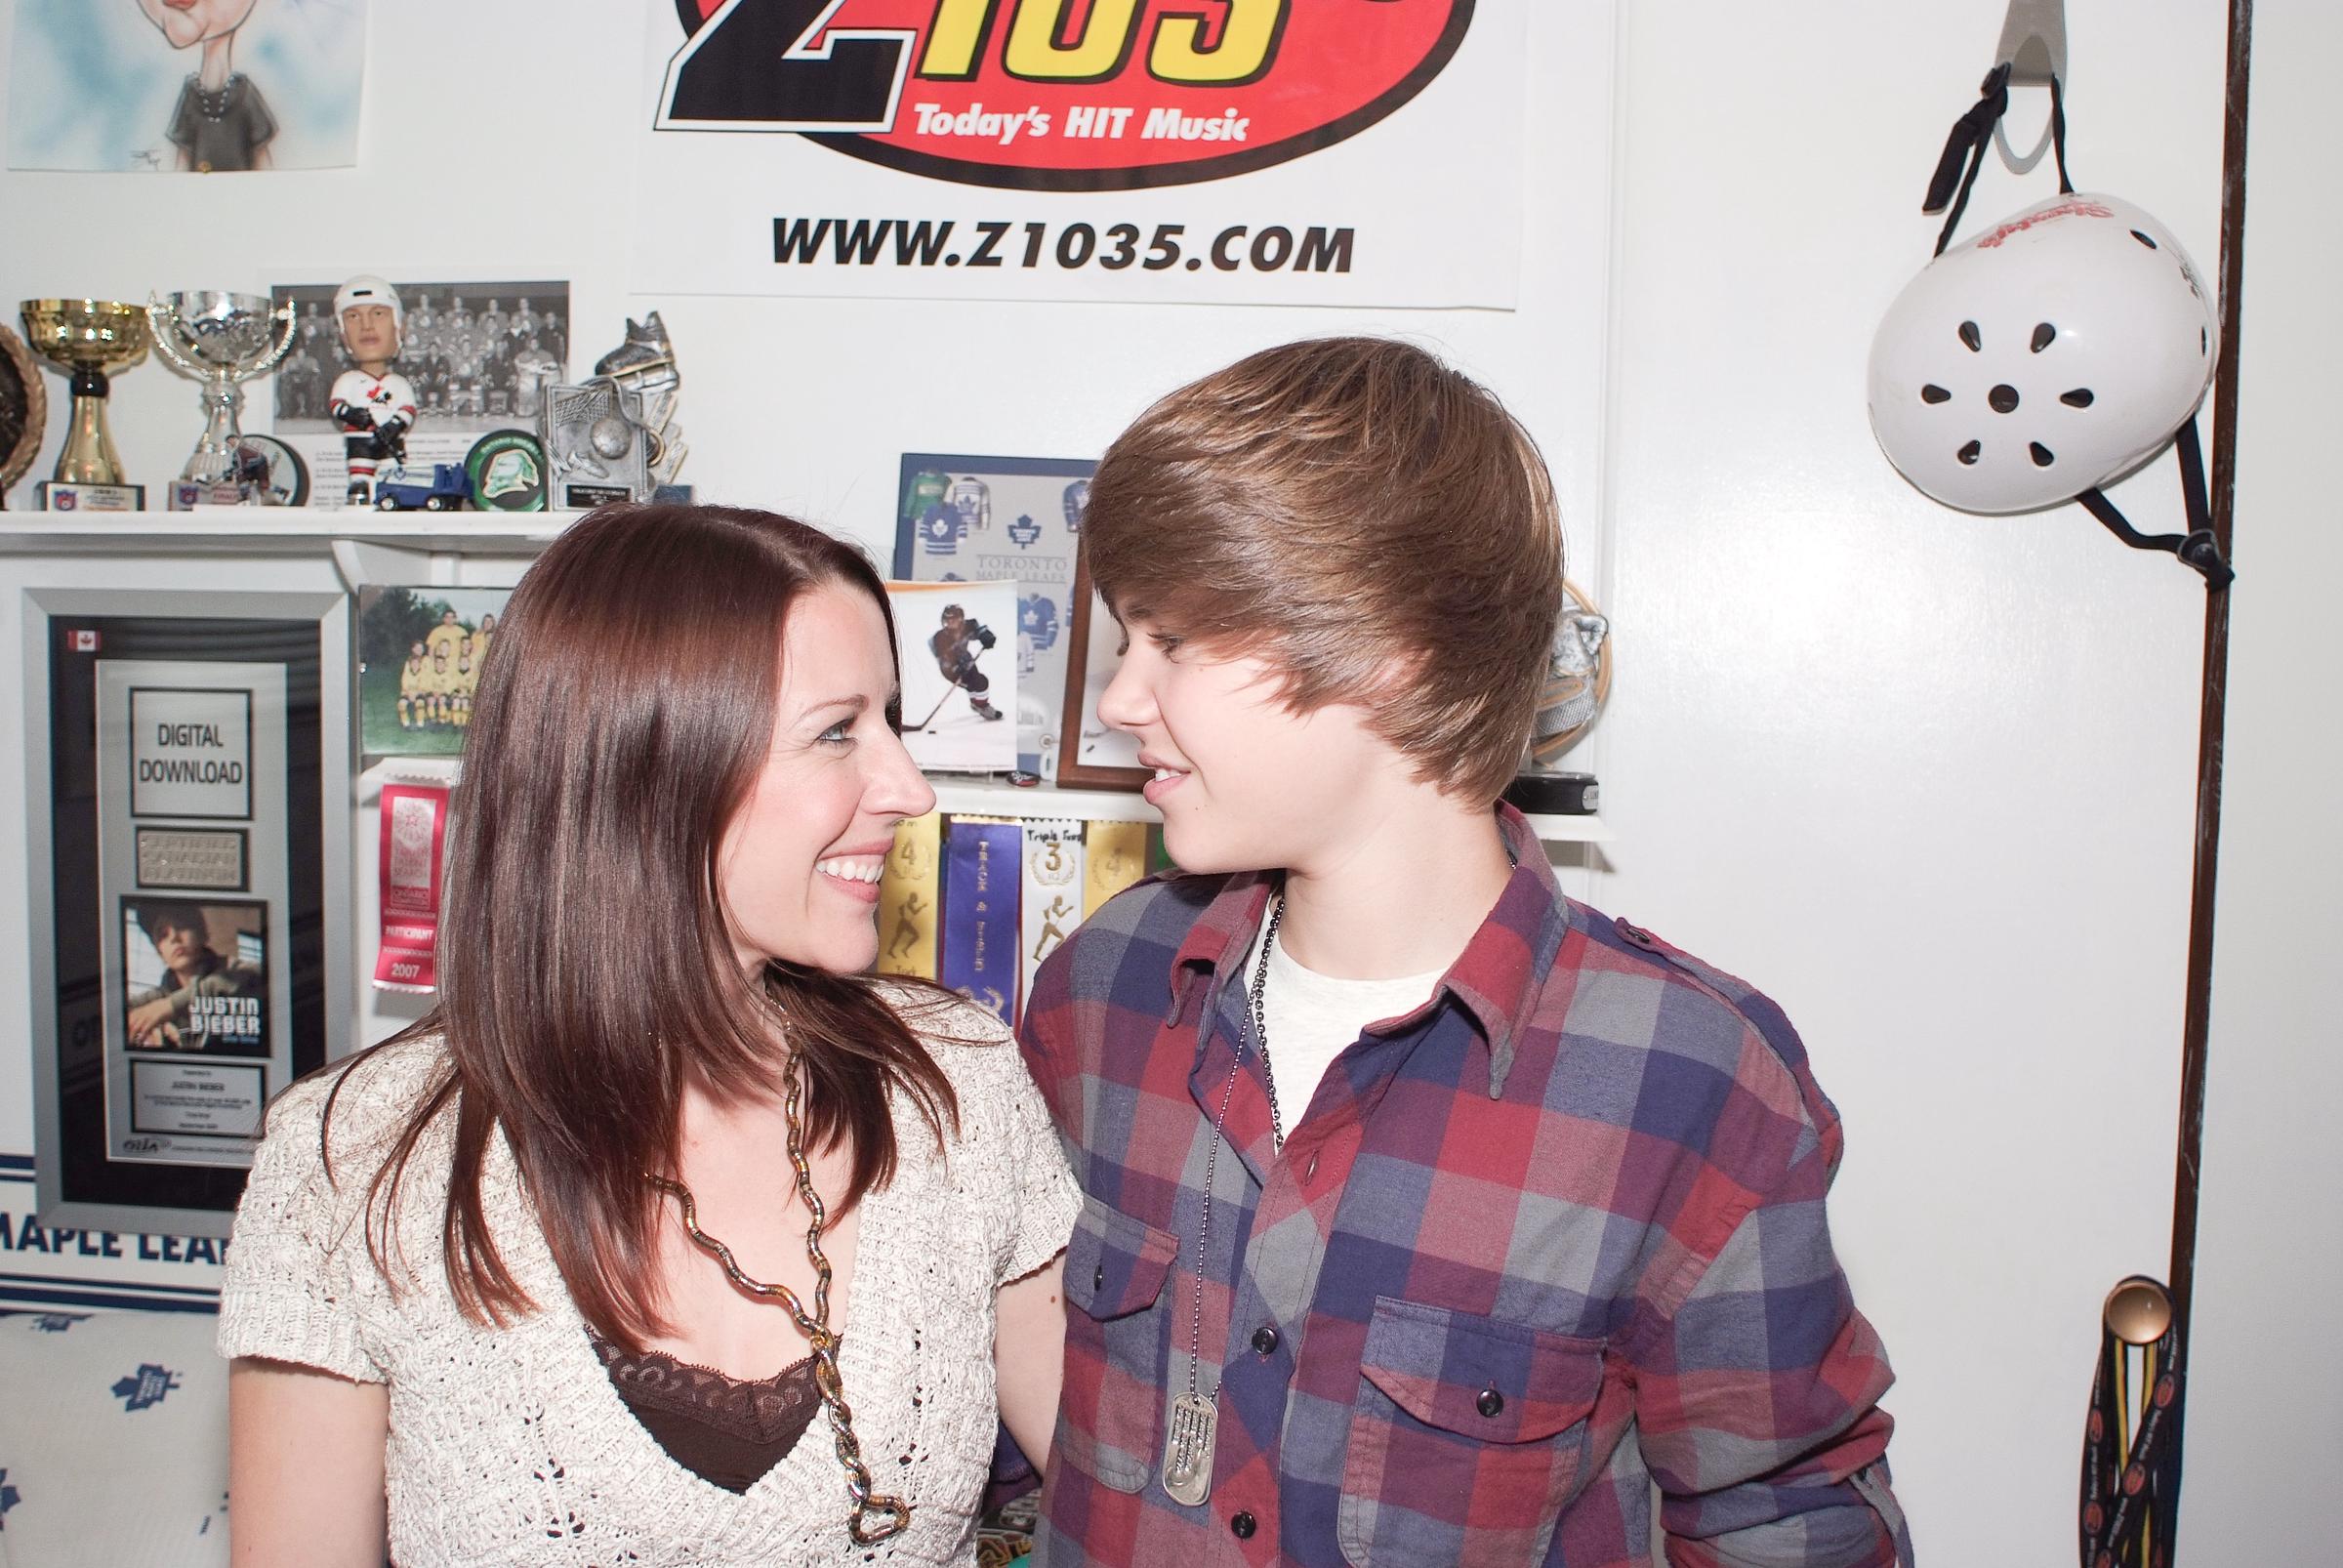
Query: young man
[
  {"x": 1430, "y": 1216},
  {"x": 204, "y": 1001}
]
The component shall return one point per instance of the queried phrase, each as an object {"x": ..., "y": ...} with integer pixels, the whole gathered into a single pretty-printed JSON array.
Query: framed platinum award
[{"x": 188, "y": 774}]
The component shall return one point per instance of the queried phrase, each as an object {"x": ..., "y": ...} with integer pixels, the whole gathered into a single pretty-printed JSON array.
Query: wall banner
[{"x": 1361, "y": 152}]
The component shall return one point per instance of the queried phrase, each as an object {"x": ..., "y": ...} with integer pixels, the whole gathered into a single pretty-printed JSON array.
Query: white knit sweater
[{"x": 511, "y": 1446}]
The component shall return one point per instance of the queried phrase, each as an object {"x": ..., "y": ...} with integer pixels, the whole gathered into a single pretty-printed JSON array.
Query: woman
[{"x": 541, "y": 1268}]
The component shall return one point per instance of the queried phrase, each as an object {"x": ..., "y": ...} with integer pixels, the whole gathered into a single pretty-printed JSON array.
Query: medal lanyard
[{"x": 1195, "y": 1419}]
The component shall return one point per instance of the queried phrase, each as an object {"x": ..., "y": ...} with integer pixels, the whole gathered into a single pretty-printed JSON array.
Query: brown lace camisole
[{"x": 721, "y": 1429}]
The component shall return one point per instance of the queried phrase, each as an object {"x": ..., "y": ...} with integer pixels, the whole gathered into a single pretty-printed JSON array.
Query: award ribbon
[
  {"x": 1053, "y": 903},
  {"x": 908, "y": 893},
  {"x": 414, "y": 835},
  {"x": 981, "y": 856},
  {"x": 1115, "y": 855},
  {"x": 2130, "y": 1446}
]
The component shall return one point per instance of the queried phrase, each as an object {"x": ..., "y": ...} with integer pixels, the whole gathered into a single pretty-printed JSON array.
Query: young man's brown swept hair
[
  {"x": 1369, "y": 521},
  {"x": 587, "y": 968}
]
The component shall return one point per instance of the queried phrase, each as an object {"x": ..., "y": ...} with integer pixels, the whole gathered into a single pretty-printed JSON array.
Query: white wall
[{"x": 1926, "y": 779}]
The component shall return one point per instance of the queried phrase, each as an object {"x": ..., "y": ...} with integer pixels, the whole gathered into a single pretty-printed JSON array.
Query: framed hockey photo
[
  {"x": 958, "y": 650},
  {"x": 1092, "y": 752},
  {"x": 1003, "y": 519}
]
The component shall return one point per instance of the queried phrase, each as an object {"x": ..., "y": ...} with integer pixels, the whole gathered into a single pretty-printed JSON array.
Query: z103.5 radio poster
[{"x": 1364, "y": 152}]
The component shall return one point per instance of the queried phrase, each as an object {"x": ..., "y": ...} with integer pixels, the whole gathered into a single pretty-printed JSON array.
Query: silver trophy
[
  {"x": 221, "y": 340},
  {"x": 645, "y": 364}
]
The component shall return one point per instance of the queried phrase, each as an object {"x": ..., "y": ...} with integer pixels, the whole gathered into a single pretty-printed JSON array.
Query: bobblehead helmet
[
  {"x": 2049, "y": 356},
  {"x": 368, "y": 289}
]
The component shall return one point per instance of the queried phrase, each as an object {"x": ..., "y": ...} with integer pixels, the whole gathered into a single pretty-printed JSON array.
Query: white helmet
[
  {"x": 2051, "y": 354},
  {"x": 368, "y": 289}
]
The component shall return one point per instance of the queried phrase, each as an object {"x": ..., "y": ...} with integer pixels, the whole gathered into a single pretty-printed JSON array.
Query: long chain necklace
[
  {"x": 891, "y": 1514},
  {"x": 1195, "y": 1416}
]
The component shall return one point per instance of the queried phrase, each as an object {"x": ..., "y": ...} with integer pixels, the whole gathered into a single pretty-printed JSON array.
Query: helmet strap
[
  {"x": 2198, "y": 547},
  {"x": 1963, "y": 156}
]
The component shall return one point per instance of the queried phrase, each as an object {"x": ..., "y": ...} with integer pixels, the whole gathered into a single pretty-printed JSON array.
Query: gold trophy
[
  {"x": 88, "y": 338},
  {"x": 221, "y": 340}
]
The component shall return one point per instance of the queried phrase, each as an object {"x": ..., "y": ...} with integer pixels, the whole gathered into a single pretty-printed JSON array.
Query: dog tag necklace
[{"x": 1196, "y": 1415}]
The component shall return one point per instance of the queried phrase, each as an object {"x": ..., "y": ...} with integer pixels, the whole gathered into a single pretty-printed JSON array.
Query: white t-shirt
[{"x": 1312, "y": 1018}]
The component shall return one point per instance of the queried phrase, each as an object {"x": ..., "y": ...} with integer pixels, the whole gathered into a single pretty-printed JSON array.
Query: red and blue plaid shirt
[{"x": 1554, "y": 1235}]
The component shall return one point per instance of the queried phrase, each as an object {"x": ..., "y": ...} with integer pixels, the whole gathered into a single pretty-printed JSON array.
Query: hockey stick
[{"x": 922, "y": 726}]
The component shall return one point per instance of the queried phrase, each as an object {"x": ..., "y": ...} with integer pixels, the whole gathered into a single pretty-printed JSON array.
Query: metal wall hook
[{"x": 2034, "y": 42}]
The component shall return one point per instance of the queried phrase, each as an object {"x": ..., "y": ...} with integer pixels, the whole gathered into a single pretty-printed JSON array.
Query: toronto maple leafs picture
[
  {"x": 957, "y": 645},
  {"x": 1003, "y": 519}
]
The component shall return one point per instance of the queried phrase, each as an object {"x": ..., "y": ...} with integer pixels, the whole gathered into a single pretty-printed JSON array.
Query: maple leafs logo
[{"x": 146, "y": 1386}]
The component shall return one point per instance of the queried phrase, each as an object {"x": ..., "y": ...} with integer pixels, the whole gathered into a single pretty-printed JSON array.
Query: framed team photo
[
  {"x": 419, "y": 656},
  {"x": 1015, "y": 520},
  {"x": 1092, "y": 752}
]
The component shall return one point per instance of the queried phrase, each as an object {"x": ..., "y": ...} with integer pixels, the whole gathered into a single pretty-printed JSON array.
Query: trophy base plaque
[
  {"x": 1554, "y": 794},
  {"x": 54, "y": 495},
  {"x": 585, "y": 496}
]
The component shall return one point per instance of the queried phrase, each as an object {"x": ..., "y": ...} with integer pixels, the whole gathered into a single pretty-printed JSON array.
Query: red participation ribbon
[{"x": 414, "y": 832}]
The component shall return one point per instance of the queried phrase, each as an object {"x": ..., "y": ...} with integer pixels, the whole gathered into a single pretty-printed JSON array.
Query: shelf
[
  {"x": 966, "y": 796},
  {"x": 279, "y": 531},
  {"x": 985, "y": 797}
]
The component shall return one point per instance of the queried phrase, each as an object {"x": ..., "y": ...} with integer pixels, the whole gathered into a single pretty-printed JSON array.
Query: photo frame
[
  {"x": 1091, "y": 753},
  {"x": 414, "y": 703},
  {"x": 961, "y": 517},
  {"x": 187, "y": 836}
]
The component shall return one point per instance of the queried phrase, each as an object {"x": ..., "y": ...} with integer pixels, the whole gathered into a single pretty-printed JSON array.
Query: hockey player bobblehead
[
  {"x": 373, "y": 405},
  {"x": 957, "y": 645}
]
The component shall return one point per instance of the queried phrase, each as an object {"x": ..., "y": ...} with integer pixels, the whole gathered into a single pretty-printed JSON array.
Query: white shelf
[
  {"x": 985, "y": 797},
  {"x": 276, "y": 530}
]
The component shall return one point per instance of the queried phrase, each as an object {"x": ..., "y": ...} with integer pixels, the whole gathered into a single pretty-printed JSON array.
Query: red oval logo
[{"x": 1058, "y": 94}]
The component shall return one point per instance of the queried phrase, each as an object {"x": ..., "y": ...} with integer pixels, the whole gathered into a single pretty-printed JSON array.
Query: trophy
[
  {"x": 596, "y": 444},
  {"x": 88, "y": 338},
  {"x": 644, "y": 363},
  {"x": 23, "y": 407},
  {"x": 221, "y": 340},
  {"x": 1576, "y": 683}
]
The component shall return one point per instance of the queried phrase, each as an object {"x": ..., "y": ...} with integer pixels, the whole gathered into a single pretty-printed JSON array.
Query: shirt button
[
  {"x": 1264, "y": 1339},
  {"x": 1242, "y": 1526},
  {"x": 1490, "y": 1402}
]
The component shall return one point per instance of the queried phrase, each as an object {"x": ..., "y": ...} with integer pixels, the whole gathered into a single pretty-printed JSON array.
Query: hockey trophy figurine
[
  {"x": 87, "y": 339},
  {"x": 1577, "y": 680},
  {"x": 596, "y": 444},
  {"x": 222, "y": 340},
  {"x": 373, "y": 405},
  {"x": 646, "y": 365}
]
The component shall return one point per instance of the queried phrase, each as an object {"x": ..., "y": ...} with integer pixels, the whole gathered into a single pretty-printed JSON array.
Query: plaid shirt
[{"x": 1554, "y": 1235}]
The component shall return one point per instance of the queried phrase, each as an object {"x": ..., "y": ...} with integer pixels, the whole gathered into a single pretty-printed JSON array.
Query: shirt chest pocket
[
  {"x": 1468, "y": 1436},
  {"x": 1111, "y": 1419}
]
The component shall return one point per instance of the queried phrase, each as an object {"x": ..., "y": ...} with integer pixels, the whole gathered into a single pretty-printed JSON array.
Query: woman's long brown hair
[{"x": 586, "y": 964}]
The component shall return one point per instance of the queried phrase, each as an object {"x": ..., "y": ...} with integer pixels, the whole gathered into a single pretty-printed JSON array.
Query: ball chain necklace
[
  {"x": 1195, "y": 1416},
  {"x": 876, "y": 1516}
]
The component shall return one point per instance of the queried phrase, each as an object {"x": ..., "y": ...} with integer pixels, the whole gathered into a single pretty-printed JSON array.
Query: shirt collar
[{"x": 1497, "y": 978}]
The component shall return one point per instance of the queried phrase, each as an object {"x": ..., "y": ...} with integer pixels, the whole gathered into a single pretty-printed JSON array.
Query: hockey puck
[{"x": 1554, "y": 794}]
